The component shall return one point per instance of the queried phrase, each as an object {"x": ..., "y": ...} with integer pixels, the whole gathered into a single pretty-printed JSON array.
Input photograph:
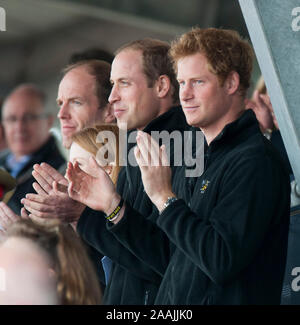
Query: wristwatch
[{"x": 169, "y": 201}]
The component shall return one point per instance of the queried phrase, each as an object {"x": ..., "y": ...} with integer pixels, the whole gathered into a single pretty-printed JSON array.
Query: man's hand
[
  {"x": 7, "y": 217},
  {"x": 52, "y": 200},
  {"x": 154, "y": 166},
  {"x": 45, "y": 175},
  {"x": 262, "y": 107},
  {"x": 267, "y": 101},
  {"x": 40, "y": 221},
  {"x": 96, "y": 191}
]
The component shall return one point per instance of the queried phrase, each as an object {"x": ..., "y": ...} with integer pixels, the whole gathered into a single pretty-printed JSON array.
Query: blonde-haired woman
[{"x": 91, "y": 141}]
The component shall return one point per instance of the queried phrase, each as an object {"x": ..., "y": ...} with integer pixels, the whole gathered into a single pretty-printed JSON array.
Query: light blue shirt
[
  {"x": 16, "y": 166},
  {"x": 107, "y": 264}
]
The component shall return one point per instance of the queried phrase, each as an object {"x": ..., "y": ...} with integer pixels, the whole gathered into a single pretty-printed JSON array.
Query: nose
[
  {"x": 185, "y": 92},
  {"x": 63, "y": 112},
  {"x": 20, "y": 125},
  {"x": 114, "y": 95}
]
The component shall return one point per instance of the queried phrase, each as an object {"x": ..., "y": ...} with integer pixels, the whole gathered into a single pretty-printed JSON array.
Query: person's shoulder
[
  {"x": 51, "y": 154},
  {"x": 3, "y": 157},
  {"x": 260, "y": 157},
  {"x": 3, "y": 154}
]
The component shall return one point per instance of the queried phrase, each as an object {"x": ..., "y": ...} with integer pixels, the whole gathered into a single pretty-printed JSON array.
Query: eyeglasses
[{"x": 26, "y": 119}]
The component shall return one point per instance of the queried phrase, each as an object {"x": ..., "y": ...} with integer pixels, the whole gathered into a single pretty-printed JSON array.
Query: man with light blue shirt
[{"x": 26, "y": 127}]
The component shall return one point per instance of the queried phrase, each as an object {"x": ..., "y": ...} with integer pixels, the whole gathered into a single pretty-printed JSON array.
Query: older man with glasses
[{"x": 26, "y": 128}]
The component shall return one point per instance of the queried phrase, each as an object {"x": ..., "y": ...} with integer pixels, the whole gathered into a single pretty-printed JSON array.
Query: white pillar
[{"x": 274, "y": 28}]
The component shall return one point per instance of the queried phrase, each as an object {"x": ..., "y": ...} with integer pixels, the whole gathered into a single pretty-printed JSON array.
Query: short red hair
[{"x": 224, "y": 50}]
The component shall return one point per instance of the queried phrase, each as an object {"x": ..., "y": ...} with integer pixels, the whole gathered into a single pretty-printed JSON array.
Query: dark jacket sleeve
[
  {"x": 223, "y": 244},
  {"x": 92, "y": 229},
  {"x": 143, "y": 238}
]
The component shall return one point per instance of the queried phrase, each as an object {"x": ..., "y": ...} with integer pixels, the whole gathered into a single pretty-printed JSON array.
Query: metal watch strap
[{"x": 169, "y": 201}]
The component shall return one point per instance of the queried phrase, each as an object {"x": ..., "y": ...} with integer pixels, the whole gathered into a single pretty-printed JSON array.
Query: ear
[
  {"x": 232, "y": 82},
  {"x": 108, "y": 114},
  {"x": 163, "y": 85}
]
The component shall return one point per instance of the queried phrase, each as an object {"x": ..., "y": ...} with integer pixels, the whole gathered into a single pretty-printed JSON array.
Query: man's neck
[
  {"x": 163, "y": 109},
  {"x": 212, "y": 131}
]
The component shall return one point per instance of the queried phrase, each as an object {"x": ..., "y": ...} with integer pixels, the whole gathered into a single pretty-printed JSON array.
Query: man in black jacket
[
  {"x": 231, "y": 239},
  {"x": 26, "y": 126},
  {"x": 143, "y": 96},
  {"x": 144, "y": 92}
]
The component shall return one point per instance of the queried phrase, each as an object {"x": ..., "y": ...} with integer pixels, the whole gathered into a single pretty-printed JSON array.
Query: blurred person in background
[
  {"x": 262, "y": 107},
  {"x": 26, "y": 127},
  {"x": 54, "y": 253},
  {"x": 25, "y": 278},
  {"x": 7, "y": 186},
  {"x": 261, "y": 104},
  {"x": 93, "y": 53},
  {"x": 3, "y": 144}
]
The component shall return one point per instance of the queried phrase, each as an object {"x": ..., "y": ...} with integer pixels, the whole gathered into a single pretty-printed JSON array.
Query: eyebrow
[
  {"x": 72, "y": 98},
  {"x": 120, "y": 79},
  {"x": 192, "y": 78}
]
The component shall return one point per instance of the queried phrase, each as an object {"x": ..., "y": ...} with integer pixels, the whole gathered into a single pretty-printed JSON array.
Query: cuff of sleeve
[
  {"x": 82, "y": 221},
  {"x": 86, "y": 218},
  {"x": 170, "y": 211}
]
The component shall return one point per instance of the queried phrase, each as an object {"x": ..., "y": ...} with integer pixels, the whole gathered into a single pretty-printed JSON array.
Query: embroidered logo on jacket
[{"x": 205, "y": 183}]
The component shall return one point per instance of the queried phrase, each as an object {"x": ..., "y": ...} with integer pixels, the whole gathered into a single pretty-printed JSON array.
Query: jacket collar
[
  {"x": 173, "y": 119},
  {"x": 169, "y": 121},
  {"x": 245, "y": 125}
]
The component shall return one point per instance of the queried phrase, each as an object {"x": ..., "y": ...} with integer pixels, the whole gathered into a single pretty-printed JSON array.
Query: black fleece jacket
[
  {"x": 132, "y": 280},
  {"x": 231, "y": 240},
  {"x": 229, "y": 228}
]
